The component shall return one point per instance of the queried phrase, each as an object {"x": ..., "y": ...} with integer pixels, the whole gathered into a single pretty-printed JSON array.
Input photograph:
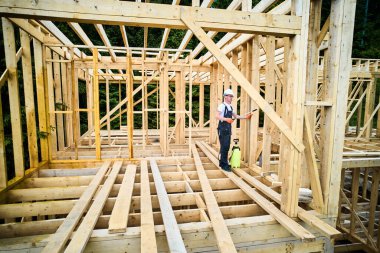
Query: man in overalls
[{"x": 226, "y": 117}]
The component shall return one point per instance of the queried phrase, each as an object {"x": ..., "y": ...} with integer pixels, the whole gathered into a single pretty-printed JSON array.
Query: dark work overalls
[{"x": 224, "y": 132}]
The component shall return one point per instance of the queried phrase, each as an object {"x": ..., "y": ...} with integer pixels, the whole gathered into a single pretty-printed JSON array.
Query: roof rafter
[{"x": 189, "y": 33}]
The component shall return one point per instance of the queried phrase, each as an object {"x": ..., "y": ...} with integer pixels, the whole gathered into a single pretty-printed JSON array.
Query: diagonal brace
[{"x": 240, "y": 79}]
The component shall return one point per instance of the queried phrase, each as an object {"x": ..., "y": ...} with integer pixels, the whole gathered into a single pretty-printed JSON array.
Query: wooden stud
[
  {"x": 290, "y": 164},
  {"x": 58, "y": 101},
  {"x": 96, "y": 105},
  {"x": 51, "y": 105},
  {"x": 14, "y": 97},
  {"x": 270, "y": 98},
  {"x": 40, "y": 90},
  {"x": 75, "y": 104},
  {"x": 254, "y": 124},
  {"x": 333, "y": 122},
  {"x": 130, "y": 120},
  {"x": 369, "y": 107},
  {"x": 108, "y": 109},
  {"x": 201, "y": 105},
  {"x": 65, "y": 99},
  {"x": 3, "y": 161},
  {"x": 29, "y": 99},
  {"x": 180, "y": 106}
]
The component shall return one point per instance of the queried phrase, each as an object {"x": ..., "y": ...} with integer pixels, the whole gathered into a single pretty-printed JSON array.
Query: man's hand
[
  {"x": 229, "y": 120},
  {"x": 249, "y": 116}
]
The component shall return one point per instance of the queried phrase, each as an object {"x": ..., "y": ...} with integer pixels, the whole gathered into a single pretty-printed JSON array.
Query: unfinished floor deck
[{"x": 34, "y": 210}]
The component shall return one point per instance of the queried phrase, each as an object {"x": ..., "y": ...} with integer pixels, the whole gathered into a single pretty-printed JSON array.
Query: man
[{"x": 226, "y": 117}]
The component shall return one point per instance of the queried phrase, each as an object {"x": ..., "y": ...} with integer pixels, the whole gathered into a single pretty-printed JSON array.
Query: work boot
[{"x": 226, "y": 168}]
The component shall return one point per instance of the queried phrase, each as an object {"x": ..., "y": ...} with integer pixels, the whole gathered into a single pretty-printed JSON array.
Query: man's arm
[{"x": 247, "y": 116}]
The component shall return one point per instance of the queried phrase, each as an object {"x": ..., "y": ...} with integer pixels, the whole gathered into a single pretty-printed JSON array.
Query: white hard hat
[{"x": 228, "y": 92}]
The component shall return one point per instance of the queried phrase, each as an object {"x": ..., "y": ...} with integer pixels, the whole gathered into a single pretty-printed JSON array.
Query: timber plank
[
  {"x": 173, "y": 234},
  {"x": 223, "y": 237},
  {"x": 148, "y": 237},
  {"x": 119, "y": 216}
]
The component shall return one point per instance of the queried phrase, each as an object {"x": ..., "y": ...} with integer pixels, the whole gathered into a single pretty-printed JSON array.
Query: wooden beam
[
  {"x": 96, "y": 106},
  {"x": 148, "y": 237},
  {"x": 83, "y": 233},
  {"x": 269, "y": 49},
  {"x": 336, "y": 90},
  {"x": 3, "y": 161},
  {"x": 58, "y": 101},
  {"x": 119, "y": 216},
  {"x": 130, "y": 121},
  {"x": 323, "y": 32},
  {"x": 40, "y": 90},
  {"x": 173, "y": 234},
  {"x": 29, "y": 99},
  {"x": 293, "y": 112},
  {"x": 58, "y": 240},
  {"x": 152, "y": 15},
  {"x": 223, "y": 237},
  {"x": 106, "y": 41},
  {"x": 237, "y": 75},
  {"x": 14, "y": 97}
]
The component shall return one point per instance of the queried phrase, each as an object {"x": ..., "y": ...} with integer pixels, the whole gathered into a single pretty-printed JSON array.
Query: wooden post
[
  {"x": 14, "y": 97},
  {"x": 108, "y": 110},
  {"x": 29, "y": 99},
  {"x": 58, "y": 101},
  {"x": 130, "y": 106},
  {"x": 359, "y": 113},
  {"x": 90, "y": 103},
  {"x": 336, "y": 88},
  {"x": 312, "y": 58},
  {"x": 235, "y": 91},
  {"x": 164, "y": 100},
  {"x": 213, "y": 104},
  {"x": 201, "y": 104},
  {"x": 65, "y": 98},
  {"x": 3, "y": 160},
  {"x": 52, "y": 128},
  {"x": 369, "y": 106},
  {"x": 96, "y": 105},
  {"x": 74, "y": 104},
  {"x": 290, "y": 159},
  {"x": 254, "y": 124},
  {"x": 40, "y": 90},
  {"x": 243, "y": 103},
  {"x": 270, "y": 98},
  {"x": 69, "y": 121},
  {"x": 180, "y": 99}
]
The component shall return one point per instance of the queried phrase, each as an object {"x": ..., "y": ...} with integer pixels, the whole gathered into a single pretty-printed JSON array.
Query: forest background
[{"x": 365, "y": 45}]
